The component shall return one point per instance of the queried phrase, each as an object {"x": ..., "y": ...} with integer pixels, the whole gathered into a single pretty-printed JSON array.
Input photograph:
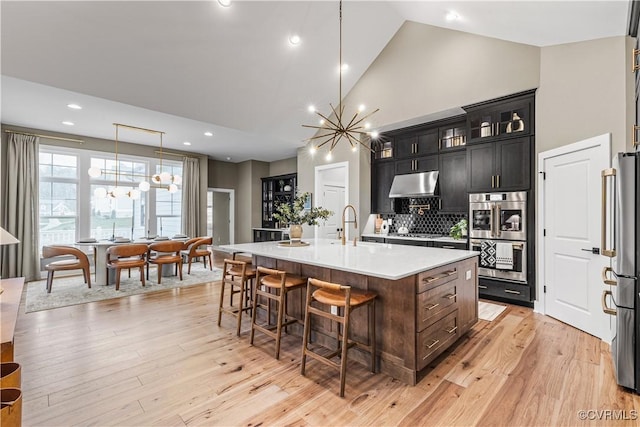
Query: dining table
[{"x": 107, "y": 277}]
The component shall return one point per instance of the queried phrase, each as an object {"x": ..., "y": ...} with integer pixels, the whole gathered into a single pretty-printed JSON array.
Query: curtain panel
[
  {"x": 20, "y": 208},
  {"x": 191, "y": 197}
]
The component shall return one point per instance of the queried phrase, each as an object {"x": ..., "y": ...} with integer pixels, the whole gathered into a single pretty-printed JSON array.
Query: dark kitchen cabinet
[
  {"x": 499, "y": 166},
  {"x": 453, "y": 136},
  {"x": 275, "y": 190},
  {"x": 499, "y": 119},
  {"x": 417, "y": 144},
  {"x": 419, "y": 164},
  {"x": 453, "y": 182},
  {"x": 381, "y": 178}
]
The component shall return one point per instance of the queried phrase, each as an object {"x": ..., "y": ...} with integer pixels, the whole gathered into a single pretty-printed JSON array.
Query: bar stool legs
[
  {"x": 281, "y": 283},
  {"x": 346, "y": 299},
  {"x": 236, "y": 274}
]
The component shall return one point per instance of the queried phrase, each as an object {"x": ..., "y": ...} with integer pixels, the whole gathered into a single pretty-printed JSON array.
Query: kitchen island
[{"x": 427, "y": 297}]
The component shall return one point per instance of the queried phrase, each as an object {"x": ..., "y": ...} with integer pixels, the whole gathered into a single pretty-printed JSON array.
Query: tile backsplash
[{"x": 428, "y": 220}]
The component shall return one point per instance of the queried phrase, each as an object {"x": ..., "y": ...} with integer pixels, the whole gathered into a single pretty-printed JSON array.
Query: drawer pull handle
[
  {"x": 451, "y": 330},
  {"x": 482, "y": 287},
  {"x": 509, "y": 291},
  {"x": 431, "y": 307},
  {"x": 433, "y": 343},
  {"x": 450, "y": 296},
  {"x": 444, "y": 274}
]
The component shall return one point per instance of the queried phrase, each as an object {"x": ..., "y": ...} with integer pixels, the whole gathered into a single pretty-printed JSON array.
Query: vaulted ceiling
[{"x": 187, "y": 67}]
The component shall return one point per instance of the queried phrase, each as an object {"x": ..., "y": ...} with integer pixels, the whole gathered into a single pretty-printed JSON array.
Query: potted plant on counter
[
  {"x": 459, "y": 230},
  {"x": 294, "y": 214}
]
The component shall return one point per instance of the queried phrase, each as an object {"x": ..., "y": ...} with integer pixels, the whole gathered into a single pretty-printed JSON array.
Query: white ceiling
[{"x": 188, "y": 67}]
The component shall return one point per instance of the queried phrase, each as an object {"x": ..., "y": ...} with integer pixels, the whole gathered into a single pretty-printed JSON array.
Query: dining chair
[
  {"x": 79, "y": 262},
  {"x": 166, "y": 252},
  {"x": 193, "y": 249},
  {"x": 126, "y": 256}
]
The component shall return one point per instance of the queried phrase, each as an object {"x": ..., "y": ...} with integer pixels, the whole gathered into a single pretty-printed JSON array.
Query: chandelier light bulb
[
  {"x": 374, "y": 134},
  {"x": 354, "y": 148},
  {"x": 177, "y": 179},
  {"x": 100, "y": 192},
  {"x": 165, "y": 177},
  {"x": 94, "y": 171},
  {"x": 328, "y": 156},
  {"x": 155, "y": 178},
  {"x": 134, "y": 194},
  {"x": 361, "y": 108},
  {"x": 144, "y": 186},
  {"x": 118, "y": 192},
  {"x": 224, "y": 3},
  {"x": 311, "y": 108},
  {"x": 173, "y": 188},
  {"x": 367, "y": 125},
  {"x": 312, "y": 149}
]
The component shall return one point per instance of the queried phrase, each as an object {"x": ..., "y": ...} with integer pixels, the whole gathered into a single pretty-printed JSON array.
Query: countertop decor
[{"x": 296, "y": 214}]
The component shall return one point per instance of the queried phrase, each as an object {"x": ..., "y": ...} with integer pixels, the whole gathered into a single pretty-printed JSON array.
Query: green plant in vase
[
  {"x": 459, "y": 230},
  {"x": 295, "y": 215}
]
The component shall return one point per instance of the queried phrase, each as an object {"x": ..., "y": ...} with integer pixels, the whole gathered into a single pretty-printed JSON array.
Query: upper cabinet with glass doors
[{"x": 506, "y": 117}]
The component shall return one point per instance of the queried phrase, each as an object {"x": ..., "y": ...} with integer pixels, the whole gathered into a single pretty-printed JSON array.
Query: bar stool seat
[
  {"x": 238, "y": 275},
  {"x": 277, "y": 285},
  {"x": 346, "y": 299}
]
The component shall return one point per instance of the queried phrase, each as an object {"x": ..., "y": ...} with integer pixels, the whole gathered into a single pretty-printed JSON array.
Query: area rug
[
  {"x": 72, "y": 290},
  {"x": 489, "y": 311}
]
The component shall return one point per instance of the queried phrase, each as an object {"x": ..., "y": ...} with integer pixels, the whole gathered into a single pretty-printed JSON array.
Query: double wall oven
[{"x": 498, "y": 230}]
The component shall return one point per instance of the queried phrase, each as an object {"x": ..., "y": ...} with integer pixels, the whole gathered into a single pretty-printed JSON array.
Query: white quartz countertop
[
  {"x": 384, "y": 260},
  {"x": 446, "y": 239},
  {"x": 284, "y": 230}
]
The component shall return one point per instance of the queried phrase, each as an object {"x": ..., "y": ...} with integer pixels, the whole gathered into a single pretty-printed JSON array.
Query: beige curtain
[
  {"x": 191, "y": 197},
  {"x": 20, "y": 208}
]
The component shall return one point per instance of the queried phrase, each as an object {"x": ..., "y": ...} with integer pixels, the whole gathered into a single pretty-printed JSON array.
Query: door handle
[
  {"x": 605, "y": 279},
  {"x": 606, "y": 308},
  {"x": 595, "y": 251},
  {"x": 606, "y": 252}
]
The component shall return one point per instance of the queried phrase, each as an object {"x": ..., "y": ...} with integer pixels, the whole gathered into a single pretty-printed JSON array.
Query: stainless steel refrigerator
[{"x": 621, "y": 298}]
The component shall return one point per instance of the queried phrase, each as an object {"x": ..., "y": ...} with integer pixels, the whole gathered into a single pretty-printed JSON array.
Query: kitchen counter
[
  {"x": 386, "y": 261},
  {"x": 445, "y": 239}
]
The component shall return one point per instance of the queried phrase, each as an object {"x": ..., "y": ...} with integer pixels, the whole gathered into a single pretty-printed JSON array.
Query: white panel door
[
  {"x": 572, "y": 215},
  {"x": 332, "y": 198}
]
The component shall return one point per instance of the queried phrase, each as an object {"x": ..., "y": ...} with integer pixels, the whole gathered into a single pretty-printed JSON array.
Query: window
[
  {"x": 169, "y": 205},
  {"x": 58, "y": 202}
]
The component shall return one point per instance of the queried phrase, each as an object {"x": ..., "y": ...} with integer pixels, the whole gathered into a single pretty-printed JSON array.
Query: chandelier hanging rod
[{"x": 139, "y": 128}]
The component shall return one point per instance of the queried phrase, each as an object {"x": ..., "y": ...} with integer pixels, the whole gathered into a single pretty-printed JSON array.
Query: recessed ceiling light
[
  {"x": 208, "y": 134},
  {"x": 74, "y": 106},
  {"x": 68, "y": 123},
  {"x": 452, "y": 16},
  {"x": 228, "y": 158},
  {"x": 311, "y": 108},
  {"x": 224, "y": 3},
  {"x": 294, "y": 39},
  {"x": 186, "y": 143},
  {"x": 345, "y": 67}
]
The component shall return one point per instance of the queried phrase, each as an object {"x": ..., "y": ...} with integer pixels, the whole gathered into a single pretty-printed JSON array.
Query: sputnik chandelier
[
  {"x": 161, "y": 180},
  {"x": 332, "y": 129}
]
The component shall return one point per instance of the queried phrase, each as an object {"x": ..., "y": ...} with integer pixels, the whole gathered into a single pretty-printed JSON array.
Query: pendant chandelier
[
  {"x": 161, "y": 180},
  {"x": 334, "y": 128}
]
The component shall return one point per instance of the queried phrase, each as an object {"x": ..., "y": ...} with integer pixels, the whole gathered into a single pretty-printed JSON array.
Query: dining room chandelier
[
  {"x": 334, "y": 127},
  {"x": 159, "y": 180}
]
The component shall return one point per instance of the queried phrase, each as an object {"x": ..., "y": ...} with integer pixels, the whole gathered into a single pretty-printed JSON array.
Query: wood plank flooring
[{"x": 160, "y": 359}]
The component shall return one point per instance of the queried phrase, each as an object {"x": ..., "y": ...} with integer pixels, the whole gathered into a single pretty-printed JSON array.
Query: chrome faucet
[{"x": 344, "y": 221}]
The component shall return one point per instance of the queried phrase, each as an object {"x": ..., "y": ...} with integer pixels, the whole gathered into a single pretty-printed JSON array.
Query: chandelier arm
[
  {"x": 367, "y": 116},
  {"x": 335, "y": 141},
  {"x": 330, "y": 134},
  {"x": 327, "y": 119},
  {"x": 325, "y": 142}
]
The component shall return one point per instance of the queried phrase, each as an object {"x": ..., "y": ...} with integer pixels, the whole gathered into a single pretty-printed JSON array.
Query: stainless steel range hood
[{"x": 424, "y": 184}]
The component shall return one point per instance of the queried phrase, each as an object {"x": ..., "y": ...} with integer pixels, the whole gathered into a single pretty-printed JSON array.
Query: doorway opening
[
  {"x": 332, "y": 193},
  {"x": 220, "y": 215}
]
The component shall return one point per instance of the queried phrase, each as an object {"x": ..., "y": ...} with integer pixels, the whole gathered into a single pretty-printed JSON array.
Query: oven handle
[
  {"x": 492, "y": 220},
  {"x": 516, "y": 245},
  {"x": 498, "y": 213},
  {"x": 606, "y": 173}
]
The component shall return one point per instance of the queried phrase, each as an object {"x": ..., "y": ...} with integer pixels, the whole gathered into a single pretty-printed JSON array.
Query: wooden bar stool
[
  {"x": 281, "y": 284},
  {"x": 346, "y": 299},
  {"x": 236, "y": 274}
]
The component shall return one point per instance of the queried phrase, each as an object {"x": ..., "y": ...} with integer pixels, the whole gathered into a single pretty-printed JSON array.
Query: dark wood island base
[{"x": 417, "y": 317}]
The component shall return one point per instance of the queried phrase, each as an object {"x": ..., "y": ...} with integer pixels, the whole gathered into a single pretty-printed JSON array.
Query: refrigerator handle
[
  {"x": 607, "y": 281},
  {"x": 605, "y": 308},
  {"x": 606, "y": 252}
]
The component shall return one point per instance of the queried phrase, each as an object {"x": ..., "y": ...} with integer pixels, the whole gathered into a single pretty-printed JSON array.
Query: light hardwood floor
[{"x": 160, "y": 359}]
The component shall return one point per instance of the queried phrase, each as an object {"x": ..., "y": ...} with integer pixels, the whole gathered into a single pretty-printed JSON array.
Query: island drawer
[
  {"x": 435, "y": 302},
  {"x": 436, "y": 277},
  {"x": 436, "y": 338}
]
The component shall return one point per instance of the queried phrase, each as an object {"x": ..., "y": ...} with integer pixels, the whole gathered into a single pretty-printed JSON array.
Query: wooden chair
[
  {"x": 193, "y": 249},
  {"x": 126, "y": 256},
  {"x": 346, "y": 299},
  {"x": 277, "y": 285},
  {"x": 167, "y": 252},
  {"x": 80, "y": 262},
  {"x": 238, "y": 275}
]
